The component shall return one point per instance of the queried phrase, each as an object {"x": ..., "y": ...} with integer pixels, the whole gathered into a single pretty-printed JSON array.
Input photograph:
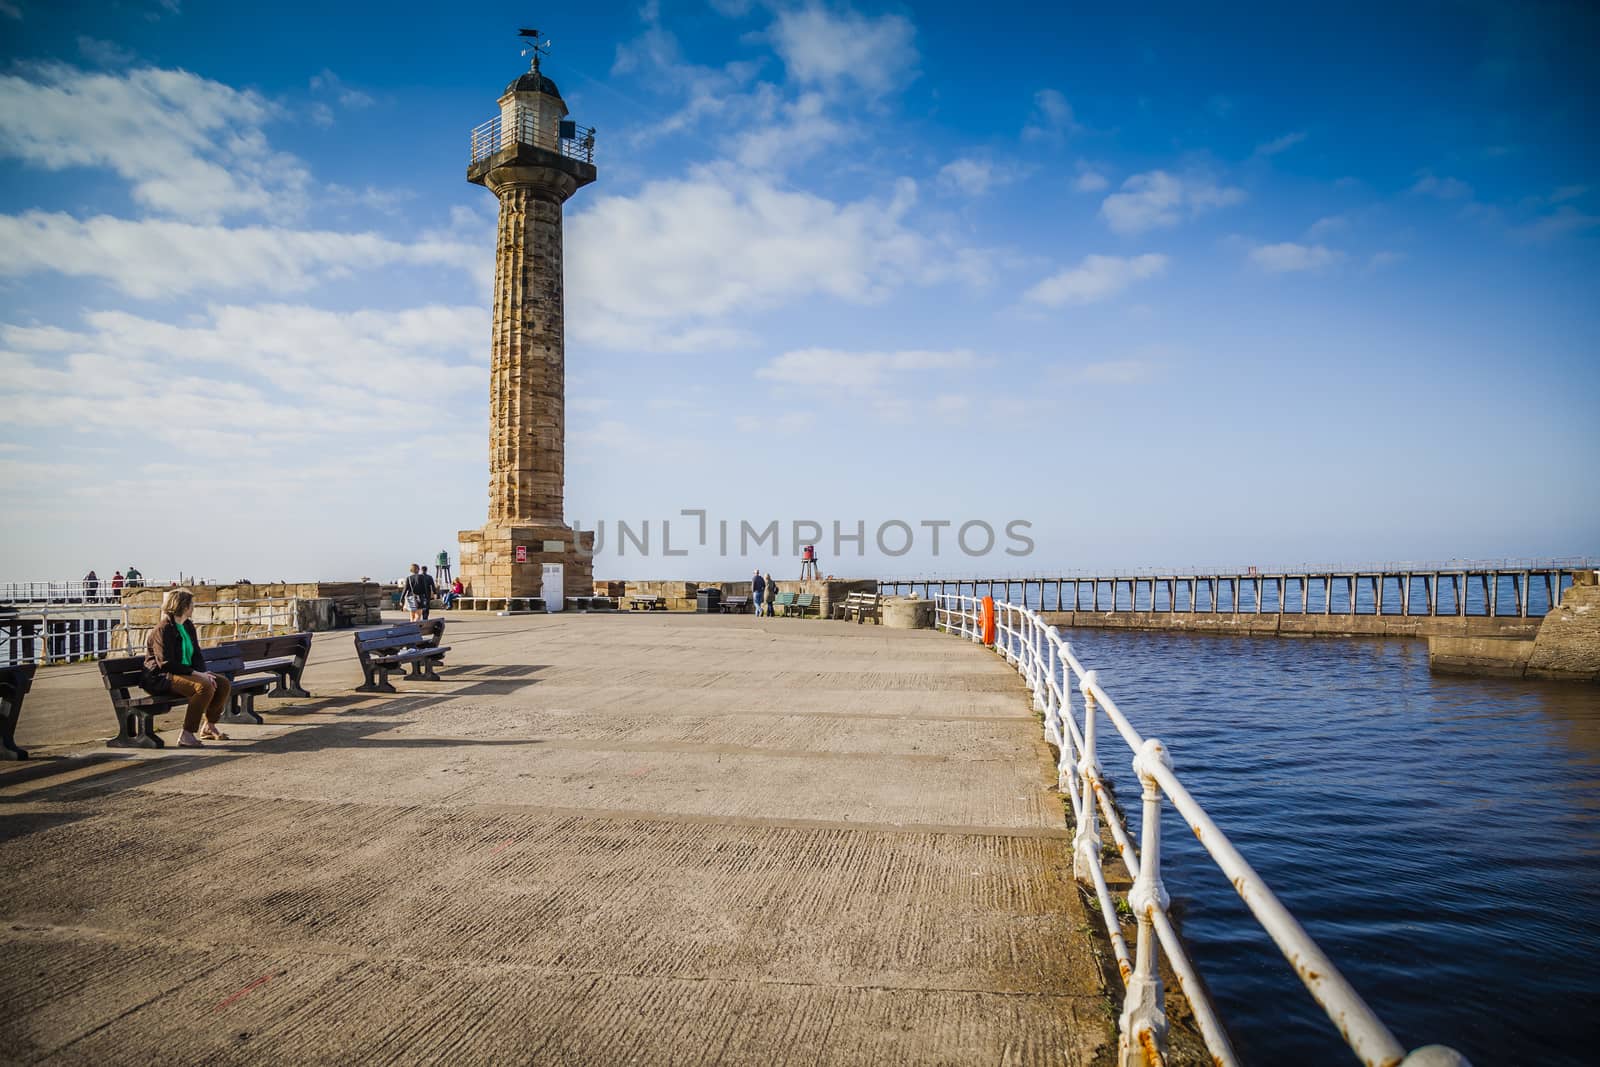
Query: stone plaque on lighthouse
[{"x": 532, "y": 158}]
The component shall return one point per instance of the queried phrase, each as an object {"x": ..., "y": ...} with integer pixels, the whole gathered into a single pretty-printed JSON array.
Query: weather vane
[{"x": 536, "y": 47}]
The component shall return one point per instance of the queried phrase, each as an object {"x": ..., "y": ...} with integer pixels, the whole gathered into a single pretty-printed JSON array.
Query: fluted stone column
[
  {"x": 527, "y": 378},
  {"x": 532, "y": 175}
]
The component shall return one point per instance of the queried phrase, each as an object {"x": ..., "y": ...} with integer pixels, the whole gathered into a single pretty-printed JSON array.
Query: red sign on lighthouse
[{"x": 522, "y": 553}]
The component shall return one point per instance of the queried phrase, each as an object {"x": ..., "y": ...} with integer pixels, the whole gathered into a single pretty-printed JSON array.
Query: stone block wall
[{"x": 1568, "y": 645}]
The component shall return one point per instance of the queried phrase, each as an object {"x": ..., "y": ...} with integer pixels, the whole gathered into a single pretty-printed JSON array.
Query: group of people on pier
[{"x": 763, "y": 593}]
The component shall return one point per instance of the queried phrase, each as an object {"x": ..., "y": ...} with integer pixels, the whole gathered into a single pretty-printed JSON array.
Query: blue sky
[{"x": 1177, "y": 287}]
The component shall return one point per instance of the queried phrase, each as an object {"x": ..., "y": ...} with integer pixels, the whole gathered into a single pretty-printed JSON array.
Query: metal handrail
[
  {"x": 1049, "y": 667},
  {"x": 279, "y": 615},
  {"x": 492, "y": 136}
]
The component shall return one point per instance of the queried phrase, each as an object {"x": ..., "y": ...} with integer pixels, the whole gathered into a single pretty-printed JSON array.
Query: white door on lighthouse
[{"x": 554, "y": 584}]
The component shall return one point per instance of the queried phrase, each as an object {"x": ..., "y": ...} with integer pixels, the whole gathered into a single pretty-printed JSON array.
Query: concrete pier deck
[{"x": 647, "y": 839}]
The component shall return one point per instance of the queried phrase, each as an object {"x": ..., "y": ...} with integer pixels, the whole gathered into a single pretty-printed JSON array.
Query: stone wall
[
  {"x": 1568, "y": 645},
  {"x": 1492, "y": 656},
  {"x": 322, "y": 605},
  {"x": 489, "y": 566}
]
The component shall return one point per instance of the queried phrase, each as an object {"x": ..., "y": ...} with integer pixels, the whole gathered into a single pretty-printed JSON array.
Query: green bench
[
  {"x": 805, "y": 604},
  {"x": 784, "y": 602}
]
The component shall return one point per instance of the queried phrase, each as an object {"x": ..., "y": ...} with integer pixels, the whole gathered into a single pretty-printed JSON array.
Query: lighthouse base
[{"x": 507, "y": 560}]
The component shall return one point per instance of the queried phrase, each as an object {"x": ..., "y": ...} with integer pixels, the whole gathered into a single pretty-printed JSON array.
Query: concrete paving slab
[{"x": 657, "y": 839}]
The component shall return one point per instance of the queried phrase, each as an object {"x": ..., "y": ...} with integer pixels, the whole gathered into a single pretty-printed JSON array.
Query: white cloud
[
  {"x": 669, "y": 263},
  {"x": 1157, "y": 198},
  {"x": 837, "y": 49},
  {"x": 1113, "y": 372},
  {"x": 831, "y": 368},
  {"x": 1559, "y": 223},
  {"x": 1384, "y": 259},
  {"x": 1096, "y": 278},
  {"x": 1090, "y": 179},
  {"x": 1443, "y": 188},
  {"x": 158, "y": 258},
  {"x": 788, "y": 422},
  {"x": 973, "y": 176},
  {"x": 1288, "y": 256},
  {"x": 268, "y": 376},
  {"x": 105, "y": 53},
  {"x": 1326, "y": 226},
  {"x": 1280, "y": 144},
  {"x": 798, "y": 130},
  {"x": 1051, "y": 119},
  {"x": 330, "y": 84},
  {"x": 191, "y": 147}
]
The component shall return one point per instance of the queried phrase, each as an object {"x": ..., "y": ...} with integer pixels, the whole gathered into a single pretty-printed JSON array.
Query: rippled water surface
[{"x": 1438, "y": 836}]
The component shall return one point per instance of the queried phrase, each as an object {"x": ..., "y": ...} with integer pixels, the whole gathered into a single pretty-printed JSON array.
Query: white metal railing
[
  {"x": 567, "y": 138},
  {"x": 1049, "y": 668},
  {"x": 69, "y": 632},
  {"x": 55, "y": 591}
]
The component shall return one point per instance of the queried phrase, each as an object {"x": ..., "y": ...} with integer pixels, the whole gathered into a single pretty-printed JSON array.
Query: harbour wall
[{"x": 1293, "y": 624}]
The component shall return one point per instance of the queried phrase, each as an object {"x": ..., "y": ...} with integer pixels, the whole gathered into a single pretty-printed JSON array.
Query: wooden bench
[
  {"x": 229, "y": 661},
  {"x": 735, "y": 605},
  {"x": 863, "y": 606},
  {"x": 393, "y": 647},
  {"x": 14, "y": 685},
  {"x": 784, "y": 602},
  {"x": 283, "y": 656},
  {"x": 804, "y": 603},
  {"x": 135, "y": 709},
  {"x": 646, "y": 603}
]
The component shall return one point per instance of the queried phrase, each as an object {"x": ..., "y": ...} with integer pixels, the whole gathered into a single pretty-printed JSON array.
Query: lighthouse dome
[{"x": 534, "y": 83}]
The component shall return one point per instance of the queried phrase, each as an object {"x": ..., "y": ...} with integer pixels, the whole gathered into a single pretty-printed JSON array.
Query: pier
[
  {"x": 1502, "y": 599},
  {"x": 683, "y": 838}
]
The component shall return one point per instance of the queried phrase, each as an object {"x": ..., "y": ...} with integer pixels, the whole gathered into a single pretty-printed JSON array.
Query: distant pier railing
[
  {"x": 1050, "y": 670},
  {"x": 1505, "y": 589}
]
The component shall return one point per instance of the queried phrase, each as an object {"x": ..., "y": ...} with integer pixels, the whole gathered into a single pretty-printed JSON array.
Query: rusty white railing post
[
  {"x": 1142, "y": 1038},
  {"x": 1086, "y": 842}
]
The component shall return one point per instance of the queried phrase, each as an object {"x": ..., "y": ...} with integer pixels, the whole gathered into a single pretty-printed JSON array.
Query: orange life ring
[{"x": 986, "y": 619}]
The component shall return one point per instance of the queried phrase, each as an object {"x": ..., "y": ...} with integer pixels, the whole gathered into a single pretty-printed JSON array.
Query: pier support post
[{"x": 1142, "y": 1036}]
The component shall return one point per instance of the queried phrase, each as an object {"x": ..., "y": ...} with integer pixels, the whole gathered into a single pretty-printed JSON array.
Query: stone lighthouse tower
[{"x": 532, "y": 158}]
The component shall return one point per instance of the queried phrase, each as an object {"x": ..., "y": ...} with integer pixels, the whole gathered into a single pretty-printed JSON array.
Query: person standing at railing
[
  {"x": 91, "y": 586},
  {"x": 116, "y": 586},
  {"x": 174, "y": 664},
  {"x": 135, "y": 579}
]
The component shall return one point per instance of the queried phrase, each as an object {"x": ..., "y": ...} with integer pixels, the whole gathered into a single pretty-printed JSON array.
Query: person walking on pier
[
  {"x": 772, "y": 594},
  {"x": 758, "y": 588},
  {"x": 429, "y": 588},
  {"x": 411, "y": 593},
  {"x": 174, "y": 664}
]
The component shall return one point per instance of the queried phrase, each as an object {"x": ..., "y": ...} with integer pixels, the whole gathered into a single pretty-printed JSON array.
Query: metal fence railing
[
  {"x": 1049, "y": 668},
  {"x": 71, "y": 631},
  {"x": 567, "y": 138}
]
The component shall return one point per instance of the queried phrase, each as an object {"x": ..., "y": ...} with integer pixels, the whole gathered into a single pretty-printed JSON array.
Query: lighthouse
[{"x": 532, "y": 157}]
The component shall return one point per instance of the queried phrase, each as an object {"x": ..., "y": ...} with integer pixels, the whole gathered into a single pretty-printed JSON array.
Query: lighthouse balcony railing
[
  {"x": 567, "y": 138},
  {"x": 1051, "y": 672}
]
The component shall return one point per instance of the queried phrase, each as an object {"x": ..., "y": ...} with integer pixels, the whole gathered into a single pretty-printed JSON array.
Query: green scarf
[{"x": 188, "y": 645}]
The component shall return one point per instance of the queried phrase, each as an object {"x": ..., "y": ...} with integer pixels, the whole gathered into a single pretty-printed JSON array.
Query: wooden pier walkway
[{"x": 663, "y": 839}]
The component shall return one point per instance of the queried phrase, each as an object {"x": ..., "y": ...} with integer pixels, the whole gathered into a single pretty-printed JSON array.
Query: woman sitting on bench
[{"x": 173, "y": 664}]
